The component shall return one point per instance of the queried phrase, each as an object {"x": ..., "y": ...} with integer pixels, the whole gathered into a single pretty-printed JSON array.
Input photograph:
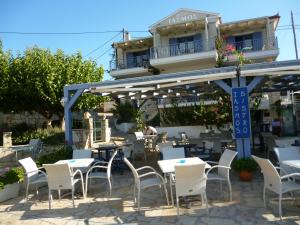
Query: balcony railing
[
  {"x": 255, "y": 44},
  {"x": 183, "y": 48},
  {"x": 129, "y": 63}
]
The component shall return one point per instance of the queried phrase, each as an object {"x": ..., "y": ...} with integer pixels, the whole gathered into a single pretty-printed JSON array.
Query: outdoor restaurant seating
[
  {"x": 93, "y": 172},
  {"x": 62, "y": 177},
  {"x": 203, "y": 149},
  {"x": 139, "y": 149},
  {"x": 276, "y": 183},
  {"x": 145, "y": 180},
  {"x": 223, "y": 167},
  {"x": 34, "y": 176},
  {"x": 190, "y": 180}
]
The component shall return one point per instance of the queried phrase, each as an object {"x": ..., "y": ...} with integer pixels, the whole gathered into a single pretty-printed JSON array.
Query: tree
[{"x": 35, "y": 81}]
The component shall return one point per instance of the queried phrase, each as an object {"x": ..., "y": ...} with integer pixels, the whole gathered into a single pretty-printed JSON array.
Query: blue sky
[{"x": 133, "y": 15}]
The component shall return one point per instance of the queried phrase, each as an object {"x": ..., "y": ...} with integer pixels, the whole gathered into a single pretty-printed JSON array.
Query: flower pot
[
  {"x": 246, "y": 175},
  {"x": 9, "y": 191}
]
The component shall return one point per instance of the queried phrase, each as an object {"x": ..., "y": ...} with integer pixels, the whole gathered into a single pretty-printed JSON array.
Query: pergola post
[
  {"x": 68, "y": 103},
  {"x": 242, "y": 144}
]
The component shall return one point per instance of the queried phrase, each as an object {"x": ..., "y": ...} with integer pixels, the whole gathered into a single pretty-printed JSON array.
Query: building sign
[
  {"x": 182, "y": 18},
  {"x": 240, "y": 112}
]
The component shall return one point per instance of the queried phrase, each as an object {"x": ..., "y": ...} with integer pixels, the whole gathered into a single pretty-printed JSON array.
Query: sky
[{"x": 76, "y": 16}]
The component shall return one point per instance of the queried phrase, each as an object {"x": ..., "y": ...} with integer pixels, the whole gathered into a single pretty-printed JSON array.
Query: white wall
[{"x": 191, "y": 131}]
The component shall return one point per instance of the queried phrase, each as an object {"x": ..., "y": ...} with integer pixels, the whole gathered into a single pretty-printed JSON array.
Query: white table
[
  {"x": 17, "y": 149},
  {"x": 81, "y": 164},
  {"x": 168, "y": 166},
  {"x": 293, "y": 163}
]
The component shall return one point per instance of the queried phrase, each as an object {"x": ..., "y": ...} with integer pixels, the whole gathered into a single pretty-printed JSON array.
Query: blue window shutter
[
  {"x": 257, "y": 41},
  {"x": 130, "y": 59},
  {"x": 198, "y": 43},
  {"x": 230, "y": 40},
  {"x": 173, "y": 46}
]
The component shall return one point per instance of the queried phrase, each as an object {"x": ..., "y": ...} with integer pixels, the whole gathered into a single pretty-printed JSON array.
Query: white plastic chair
[
  {"x": 61, "y": 177},
  {"x": 190, "y": 180},
  {"x": 82, "y": 153},
  {"x": 223, "y": 167},
  {"x": 139, "y": 149},
  {"x": 172, "y": 153},
  {"x": 289, "y": 153},
  {"x": 145, "y": 180},
  {"x": 93, "y": 174},
  {"x": 33, "y": 174},
  {"x": 274, "y": 182}
]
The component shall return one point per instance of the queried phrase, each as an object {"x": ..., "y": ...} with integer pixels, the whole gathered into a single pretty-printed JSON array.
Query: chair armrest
[
  {"x": 152, "y": 173},
  {"x": 99, "y": 162},
  {"x": 217, "y": 166},
  {"x": 78, "y": 172},
  {"x": 281, "y": 169},
  {"x": 290, "y": 175},
  {"x": 94, "y": 167},
  {"x": 146, "y": 167},
  {"x": 42, "y": 172},
  {"x": 212, "y": 162}
]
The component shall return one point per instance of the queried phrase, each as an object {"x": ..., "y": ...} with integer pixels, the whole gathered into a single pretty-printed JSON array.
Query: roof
[
  {"x": 153, "y": 82},
  {"x": 180, "y": 10}
]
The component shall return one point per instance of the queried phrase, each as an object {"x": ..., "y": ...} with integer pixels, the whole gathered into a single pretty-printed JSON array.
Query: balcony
[
  {"x": 183, "y": 54},
  {"x": 133, "y": 66},
  {"x": 256, "y": 49}
]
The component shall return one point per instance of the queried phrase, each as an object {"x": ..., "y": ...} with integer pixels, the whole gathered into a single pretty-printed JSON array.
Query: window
[
  {"x": 97, "y": 130},
  {"x": 137, "y": 59},
  {"x": 249, "y": 42}
]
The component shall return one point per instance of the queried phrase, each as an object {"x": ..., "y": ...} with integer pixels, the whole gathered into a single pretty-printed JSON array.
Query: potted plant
[
  {"x": 10, "y": 182},
  {"x": 245, "y": 167}
]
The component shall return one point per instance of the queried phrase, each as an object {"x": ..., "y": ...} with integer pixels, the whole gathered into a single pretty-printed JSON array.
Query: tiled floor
[{"x": 245, "y": 209}]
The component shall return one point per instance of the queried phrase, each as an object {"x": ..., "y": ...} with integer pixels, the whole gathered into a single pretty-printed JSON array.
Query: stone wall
[{"x": 32, "y": 119}]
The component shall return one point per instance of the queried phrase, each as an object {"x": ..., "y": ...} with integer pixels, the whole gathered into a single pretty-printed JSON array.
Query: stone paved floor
[{"x": 245, "y": 209}]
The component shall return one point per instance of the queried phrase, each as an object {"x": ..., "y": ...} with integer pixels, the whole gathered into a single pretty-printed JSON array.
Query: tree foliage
[{"x": 34, "y": 80}]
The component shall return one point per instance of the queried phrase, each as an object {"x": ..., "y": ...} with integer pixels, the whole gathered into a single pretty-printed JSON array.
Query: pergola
[{"x": 269, "y": 76}]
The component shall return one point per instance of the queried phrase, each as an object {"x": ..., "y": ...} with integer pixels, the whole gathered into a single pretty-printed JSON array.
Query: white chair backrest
[
  {"x": 164, "y": 145},
  {"x": 288, "y": 153},
  {"x": 226, "y": 160},
  {"x": 82, "y": 154},
  {"x": 134, "y": 172},
  {"x": 271, "y": 177},
  {"x": 190, "y": 179},
  {"x": 139, "y": 135},
  {"x": 59, "y": 176},
  {"x": 29, "y": 166},
  {"x": 172, "y": 153},
  {"x": 139, "y": 145},
  {"x": 110, "y": 163}
]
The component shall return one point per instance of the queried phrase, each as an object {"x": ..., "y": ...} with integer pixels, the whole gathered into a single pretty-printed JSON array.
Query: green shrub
[
  {"x": 244, "y": 164},
  {"x": 50, "y": 136},
  {"x": 11, "y": 175},
  {"x": 61, "y": 154}
]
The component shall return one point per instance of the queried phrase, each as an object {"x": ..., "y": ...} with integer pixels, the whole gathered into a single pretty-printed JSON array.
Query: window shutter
[
  {"x": 130, "y": 59},
  {"x": 257, "y": 41},
  {"x": 198, "y": 43},
  {"x": 173, "y": 46}
]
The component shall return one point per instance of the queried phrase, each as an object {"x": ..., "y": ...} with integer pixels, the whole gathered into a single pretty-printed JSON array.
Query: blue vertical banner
[{"x": 240, "y": 111}]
